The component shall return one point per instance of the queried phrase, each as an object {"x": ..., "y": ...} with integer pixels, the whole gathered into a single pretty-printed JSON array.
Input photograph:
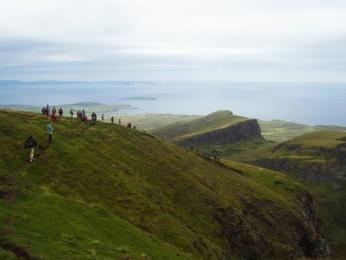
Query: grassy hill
[
  {"x": 181, "y": 130},
  {"x": 318, "y": 160},
  {"x": 107, "y": 192},
  {"x": 219, "y": 133}
]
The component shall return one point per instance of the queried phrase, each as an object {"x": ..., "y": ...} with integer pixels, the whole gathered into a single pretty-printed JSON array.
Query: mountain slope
[
  {"x": 106, "y": 191},
  {"x": 319, "y": 160}
]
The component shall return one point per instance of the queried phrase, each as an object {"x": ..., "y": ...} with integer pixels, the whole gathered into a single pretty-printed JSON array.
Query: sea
[{"x": 308, "y": 103}]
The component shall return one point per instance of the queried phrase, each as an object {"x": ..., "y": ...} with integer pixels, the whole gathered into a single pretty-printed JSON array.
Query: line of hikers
[
  {"x": 51, "y": 112},
  {"x": 84, "y": 118}
]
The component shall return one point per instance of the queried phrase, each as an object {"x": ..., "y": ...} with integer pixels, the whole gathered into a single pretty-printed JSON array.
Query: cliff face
[
  {"x": 245, "y": 234},
  {"x": 228, "y": 135}
]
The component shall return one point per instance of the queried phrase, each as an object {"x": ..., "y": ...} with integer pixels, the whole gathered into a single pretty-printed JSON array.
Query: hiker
[
  {"x": 79, "y": 114},
  {"x": 103, "y": 117},
  {"x": 54, "y": 110},
  {"x": 85, "y": 119},
  {"x": 112, "y": 119},
  {"x": 71, "y": 113},
  {"x": 119, "y": 121},
  {"x": 43, "y": 111},
  {"x": 61, "y": 112},
  {"x": 50, "y": 130},
  {"x": 53, "y": 116},
  {"x": 83, "y": 112},
  {"x": 129, "y": 125},
  {"x": 31, "y": 144},
  {"x": 47, "y": 110},
  {"x": 94, "y": 117}
]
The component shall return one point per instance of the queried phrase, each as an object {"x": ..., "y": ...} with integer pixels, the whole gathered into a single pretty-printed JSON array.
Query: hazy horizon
[{"x": 309, "y": 103}]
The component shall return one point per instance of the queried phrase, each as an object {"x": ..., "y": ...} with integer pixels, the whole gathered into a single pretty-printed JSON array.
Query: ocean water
[{"x": 310, "y": 103}]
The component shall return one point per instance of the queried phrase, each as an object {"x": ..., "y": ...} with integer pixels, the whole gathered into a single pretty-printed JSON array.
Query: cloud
[{"x": 158, "y": 39}]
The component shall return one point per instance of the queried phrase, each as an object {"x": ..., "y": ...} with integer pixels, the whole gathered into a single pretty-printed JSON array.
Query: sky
[{"x": 258, "y": 40}]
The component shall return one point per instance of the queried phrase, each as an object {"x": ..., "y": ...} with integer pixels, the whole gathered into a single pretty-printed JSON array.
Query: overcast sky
[{"x": 259, "y": 40}]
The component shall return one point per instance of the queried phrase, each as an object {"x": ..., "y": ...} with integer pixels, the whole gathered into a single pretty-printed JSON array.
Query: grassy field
[
  {"x": 280, "y": 131},
  {"x": 150, "y": 122},
  {"x": 107, "y": 192}
]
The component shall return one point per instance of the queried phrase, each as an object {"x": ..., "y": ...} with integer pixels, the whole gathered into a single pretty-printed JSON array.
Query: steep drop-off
[
  {"x": 244, "y": 130},
  {"x": 319, "y": 160}
]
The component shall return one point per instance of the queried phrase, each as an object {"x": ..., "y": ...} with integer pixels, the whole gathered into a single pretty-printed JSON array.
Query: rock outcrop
[
  {"x": 241, "y": 131},
  {"x": 244, "y": 231}
]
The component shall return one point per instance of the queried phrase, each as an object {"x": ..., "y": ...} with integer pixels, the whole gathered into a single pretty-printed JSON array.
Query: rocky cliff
[
  {"x": 245, "y": 233},
  {"x": 227, "y": 135}
]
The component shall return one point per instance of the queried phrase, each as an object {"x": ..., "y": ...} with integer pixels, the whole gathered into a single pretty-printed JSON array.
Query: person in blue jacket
[{"x": 50, "y": 130}]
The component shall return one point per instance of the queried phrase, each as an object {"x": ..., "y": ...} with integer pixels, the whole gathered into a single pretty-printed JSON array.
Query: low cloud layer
[{"x": 271, "y": 40}]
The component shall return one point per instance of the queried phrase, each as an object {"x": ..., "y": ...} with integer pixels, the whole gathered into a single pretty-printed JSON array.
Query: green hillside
[
  {"x": 213, "y": 121},
  {"x": 107, "y": 192},
  {"x": 318, "y": 160}
]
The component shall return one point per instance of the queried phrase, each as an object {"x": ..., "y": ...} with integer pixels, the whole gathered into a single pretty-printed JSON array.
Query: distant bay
[{"x": 309, "y": 103}]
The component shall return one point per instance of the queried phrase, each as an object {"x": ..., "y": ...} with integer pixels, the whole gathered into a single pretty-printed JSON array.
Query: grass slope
[
  {"x": 241, "y": 151},
  {"x": 108, "y": 192}
]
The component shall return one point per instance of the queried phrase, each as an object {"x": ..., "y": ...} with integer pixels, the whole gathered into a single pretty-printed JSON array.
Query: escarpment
[
  {"x": 241, "y": 131},
  {"x": 246, "y": 231}
]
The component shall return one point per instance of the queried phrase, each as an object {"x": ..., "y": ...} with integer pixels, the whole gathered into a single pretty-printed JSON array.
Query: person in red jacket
[
  {"x": 53, "y": 117},
  {"x": 85, "y": 119}
]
